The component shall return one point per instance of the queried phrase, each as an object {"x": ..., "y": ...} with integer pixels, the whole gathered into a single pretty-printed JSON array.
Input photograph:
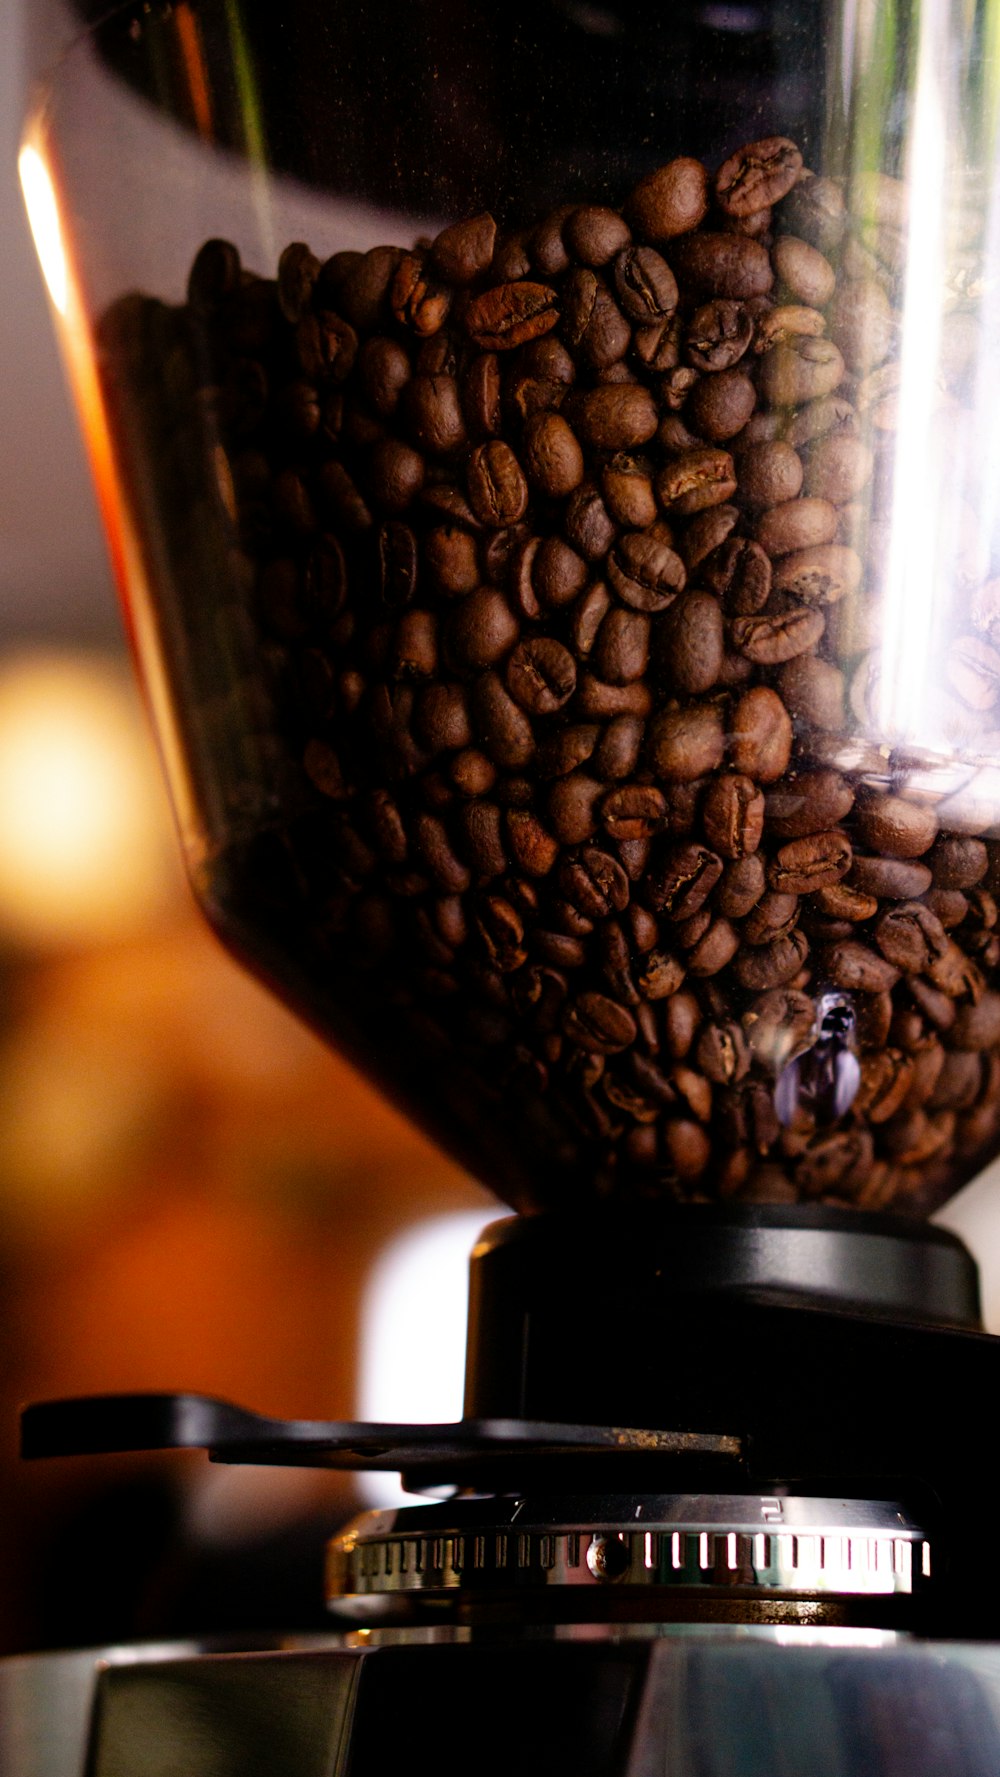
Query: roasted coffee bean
[
  {"x": 857, "y": 968},
  {"x": 690, "y": 643},
  {"x": 637, "y": 811},
  {"x": 509, "y": 315},
  {"x": 781, "y": 325},
  {"x": 814, "y": 209},
  {"x": 434, "y": 415},
  {"x": 741, "y": 887},
  {"x": 733, "y": 815},
  {"x": 498, "y": 492},
  {"x": 739, "y": 572},
  {"x": 761, "y": 735},
  {"x": 419, "y": 301},
  {"x": 816, "y": 862},
  {"x": 770, "y": 474},
  {"x": 813, "y": 691},
  {"x": 861, "y": 323},
  {"x": 463, "y": 252},
  {"x": 627, "y": 485},
  {"x": 598, "y": 700},
  {"x": 572, "y": 807},
  {"x": 768, "y": 641},
  {"x": 800, "y": 369},
  {"x": 595, "y": 883},
  {"x": 614, "y": 417},
  {"x": 621, "y": 651},
  {"x": 503, "y": 728},
  {"x": 558, "y": 574},
  {"x": 706, "y": 533},
  {"x": 958, "y": 862},
  {"x": 720, "y": 405},
  {"x": 594, "y": 234},
  {"x": 757, "y": 175},
  {"x": 718, "y": 334},
  {"x": 726, "y": 265},
  {"x": 895, "y": 827},
  {"x": 592, "y": 322},
  {"x": 686, "y": 744},
  {"x": 714, "y": 950},
  {"x": 541, "y": 675},
  {"x": 820, "y": 576},
  {"x": 595, "y": 1022},
  {"x": 808, "y": 802},
  {"x": 587, "y": 523},
  {"x": 553, "y": 460},
  {"x": 796, "y": 525},
  {"x": 617, "y": 754},
  {"x": 890, "y": 878},
  {"x": 696, "y": 479},
  {"x": 481, "y": 629},
  {"x": 645, "y": 571},
  {"x": 778, "y": 1026},
  {"x": 669, "y": 201},
  {"x": 682, "y": 879},
  {"x": 910, "y": 936},
  {"x": 774, "y": 915},
  {"x": 442, "y": 719},
  {"x": 804, "y": 271},
  {"x": 645, "y": 285},
  {"x": 772, "y": 965}
]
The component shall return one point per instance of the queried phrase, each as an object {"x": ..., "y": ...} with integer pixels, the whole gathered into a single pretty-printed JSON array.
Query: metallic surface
[
  {"x": 746, "y": 1545},
  {"x": 683, "y": 1703}
]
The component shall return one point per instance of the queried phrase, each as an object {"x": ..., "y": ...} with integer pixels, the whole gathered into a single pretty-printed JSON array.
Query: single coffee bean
[
  {"x": 706, "y": 532},
  {"x": 595, "y": 883},
  {"x": 815, "y": 862},
  {"x": 617, "y": 754},
  {"x": 886, "y": 1078},
  {"x": 910, "y": 936},
  {"x": 862, "y": 324},
  {"x": 592, "y": 322},
  {"x": 770, "y": 474},
  {"x": 782, "y": 325},
  {"x": 809, "y": 802},
  {"x": 682, "y": 879},
  {"x": 595, "y": 1022},
  {"x": 588, "y": 614},
  {"x": 958, "y": 862},
  {"x": 768, "y": 641},
  {"x": 481, "y": 629},
  {"x": 949, "y": 905},
  {"x": 696, "y": 479},
  {"x": 669, "y": 201},
  {"x": 741, "y": 887},
  {"x": 778, "y": 1026},
  {"x": 973, "y": 672},
  {"x": 840, "y": 902},
  {"x": 502, "y": 726},
  {"x": 587, "y": 523},
  {"x": 771, "y": 965},
  {"x": 733, "y": 815},
  {"x": 761, "y": 735},
  {"x": 720, "y": 405},
  {"x": 894, "y": 826},
  {"x": 419, "y": 301},
  {"x": 541, "y": 675},
  {"x": 739, "y": 573},
  {"x": 597, "y": 700},
  {"x": 813, "y": 691},
  {"x": 509, "y": 315},
  {"x": 572, "y": 807},
  {"x": 718, "y": 334},
  {"x": 627, "y": 485},
  {"x": 714, "y": 950},
  {"x": 690, "y": 643},
  {"x": 686, "y": 744},
  {"x": 441, "y": 718},
  {"x": 977, "y": 1026},
  {"x": 799, "y": 370},
  {"x": 838, "y": 467},
  {"x": 637, "y": 811},
  {"x": 464, "y": 251},
  {"x": 804, "y": 271},
  {"x": 796, "y": 525},
  {"x": 621, "y": 651},
  {"x": 498, "y": 492},
  {"x": 558, "y": 574},
  {"x": 561, "y": 752},
  {"x": 722, "y": 265},
  {"x": 645, "y": 571},
  {"x": 820, "y": 575},
  {"x": 594, "y": 234},
  {"x": 553, "y": 460},
  {"x": 857, "y": 968},
  {"x": 532, "y": 848},
  {"x": 814, "y": 209},
  {"x": 757, "y": 175},
  {"x": 434, "y": 413},
  {"x": 449, "y": 554},
  {"x": 645, "y": 285},
  {"x": 722, "y": 1052},
  {"x": 615, "y": 416},
  {"x": 889, "y": 878}
]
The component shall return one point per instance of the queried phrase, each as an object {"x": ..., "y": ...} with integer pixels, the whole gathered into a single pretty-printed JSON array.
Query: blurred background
[{"x": 193, "y": 1192}]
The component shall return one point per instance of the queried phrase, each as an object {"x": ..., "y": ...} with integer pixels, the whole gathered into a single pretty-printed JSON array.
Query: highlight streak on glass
[
  {"x": 43, "y": 218},
  {"x": 916, "y": 559},
  {"x": 251, "y": 119},
  {"x": 189, "y": 37}
]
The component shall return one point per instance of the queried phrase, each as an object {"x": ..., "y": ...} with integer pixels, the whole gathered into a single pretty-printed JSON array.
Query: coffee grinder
[{"x": 548, "y": 465}]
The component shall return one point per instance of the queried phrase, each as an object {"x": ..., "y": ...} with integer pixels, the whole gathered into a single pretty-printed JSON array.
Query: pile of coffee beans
[{"x": 522, "y": 637}]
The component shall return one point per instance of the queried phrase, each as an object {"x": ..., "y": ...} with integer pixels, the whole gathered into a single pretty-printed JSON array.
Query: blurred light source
[
  {"x": 83, "y": 853},
  {"x": 43, "y": 215},
  {"x": 412, "y": 1366}
]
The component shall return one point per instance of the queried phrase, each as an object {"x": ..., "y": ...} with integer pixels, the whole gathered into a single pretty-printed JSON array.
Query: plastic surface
[{"x": 567, "y": 587}]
